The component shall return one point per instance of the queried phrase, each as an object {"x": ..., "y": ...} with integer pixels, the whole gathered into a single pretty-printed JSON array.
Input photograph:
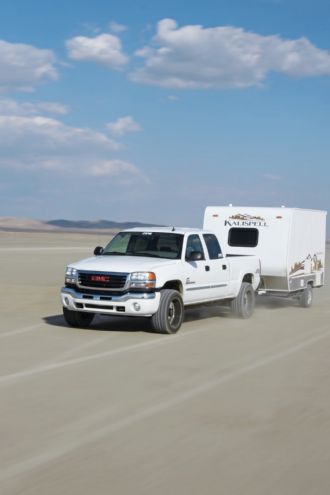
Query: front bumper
[{"x": 130, "y": 304}]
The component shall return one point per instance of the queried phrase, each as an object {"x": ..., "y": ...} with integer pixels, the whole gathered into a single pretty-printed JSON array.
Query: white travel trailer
[{"x": 290, "y": 243}]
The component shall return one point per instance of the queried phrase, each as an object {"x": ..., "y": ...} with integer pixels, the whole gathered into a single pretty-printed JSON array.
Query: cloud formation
[
  {"x": 104, "y": 49},
  {"x": 272, "y": 177},
  {"x": 23, "y": 67},
  {"x": 115, "y": 27},
  {"x": 38, "y": 143},
  {"x": 114, "y": 168},
  {"x": 9, "y": 106},
  {"x": 192, "y": 57},
  {"x": 124, "y": 125}
]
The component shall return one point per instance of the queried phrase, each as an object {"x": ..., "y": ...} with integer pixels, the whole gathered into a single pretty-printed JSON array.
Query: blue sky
[{"x": 150, "y": 111}]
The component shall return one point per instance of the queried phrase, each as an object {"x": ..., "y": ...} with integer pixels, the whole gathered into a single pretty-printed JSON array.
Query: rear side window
[
  {"x": 213, "y": 246},
  {"x": 243, "y": 237}
]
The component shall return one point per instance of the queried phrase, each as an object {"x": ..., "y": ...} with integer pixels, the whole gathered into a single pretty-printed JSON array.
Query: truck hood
[{"x": 123, "y": 264}]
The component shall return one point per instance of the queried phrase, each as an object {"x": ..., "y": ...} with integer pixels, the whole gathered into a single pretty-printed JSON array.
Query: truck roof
[{"x": 174, "y": 230}]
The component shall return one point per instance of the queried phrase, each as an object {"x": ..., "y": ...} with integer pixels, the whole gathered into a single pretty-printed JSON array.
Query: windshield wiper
[
  {"x": 145, "y": 255},
  {"x": 114, "y": 253}
]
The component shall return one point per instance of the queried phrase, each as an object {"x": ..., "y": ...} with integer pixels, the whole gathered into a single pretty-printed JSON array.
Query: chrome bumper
[{"x": 129, "y": 304}]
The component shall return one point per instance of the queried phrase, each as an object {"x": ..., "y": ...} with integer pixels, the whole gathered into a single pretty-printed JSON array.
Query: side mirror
[
  {"x": 195, "y": 256},
  {"x": 98, "y": 250}
]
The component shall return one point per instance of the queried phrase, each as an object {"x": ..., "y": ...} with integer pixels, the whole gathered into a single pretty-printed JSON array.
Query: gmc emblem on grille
[{"x": 100, "y": 278}]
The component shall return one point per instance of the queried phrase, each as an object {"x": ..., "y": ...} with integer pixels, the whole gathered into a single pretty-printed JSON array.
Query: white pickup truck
[{"x": 156, "y": 273}]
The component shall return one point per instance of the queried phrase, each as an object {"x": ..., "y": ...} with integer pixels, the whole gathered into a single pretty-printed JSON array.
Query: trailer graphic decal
[
  {"x": 310, "y": 264},
  {"x": 245, "y": 220},
  {"x": 245, "y": 216}
]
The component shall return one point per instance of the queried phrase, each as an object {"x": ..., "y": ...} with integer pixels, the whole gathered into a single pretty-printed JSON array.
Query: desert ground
[{"x": 226, "y": 406}]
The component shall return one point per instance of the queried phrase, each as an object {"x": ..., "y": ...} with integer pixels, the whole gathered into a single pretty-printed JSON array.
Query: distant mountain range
[
  {"x": 30, "y": 225},
  {"x": 96, "y": 224}
]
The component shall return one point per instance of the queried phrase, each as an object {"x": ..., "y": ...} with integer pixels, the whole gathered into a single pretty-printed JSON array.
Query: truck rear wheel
[
  {"x": 77, "y": 319},
  {"x": 243, "y": 305},
  {"x": 306, "y": 297},
  {"x": 169, "y": 316}
]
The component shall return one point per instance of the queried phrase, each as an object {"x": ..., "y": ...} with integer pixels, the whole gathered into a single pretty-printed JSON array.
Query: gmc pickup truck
[{"x": 156, "y": 273}]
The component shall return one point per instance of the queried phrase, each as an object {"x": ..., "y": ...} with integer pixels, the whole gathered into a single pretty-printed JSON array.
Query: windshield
[{"x": 150, "y": 244}]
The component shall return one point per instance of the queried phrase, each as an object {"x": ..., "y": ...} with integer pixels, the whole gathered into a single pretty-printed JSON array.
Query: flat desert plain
[{"x": 226, "y": 406}]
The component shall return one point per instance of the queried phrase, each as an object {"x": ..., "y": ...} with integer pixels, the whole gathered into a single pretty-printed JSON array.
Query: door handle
[
  {"x": 207, "y": 268},
  {"x": 224, "y": 267}
]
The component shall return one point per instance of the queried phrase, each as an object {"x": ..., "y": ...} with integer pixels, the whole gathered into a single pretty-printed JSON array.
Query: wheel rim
[
  {"x": 171, "y": 313},
  {"x": 174, "y": 313},
  {"x": 247, "y": 301},
  {"x": 309, "y": 297}
]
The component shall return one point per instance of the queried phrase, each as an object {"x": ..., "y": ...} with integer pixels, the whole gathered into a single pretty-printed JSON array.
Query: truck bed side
[{"x": 243, "y": 269}]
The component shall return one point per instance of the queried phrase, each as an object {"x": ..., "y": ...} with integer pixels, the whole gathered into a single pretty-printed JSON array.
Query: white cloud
[
  {"x": 53, "y": 107},
  {"x": 124, "y": 125},
  {"x": 224, "y": 57},
  {"x": 37, "y": 143},
  {"x": 8, "y": 106},
  {"x": 115, "y": 27},
  {"x": 22, "y": 66},
  {"x": 272, "y": 177},
  {"x": 104, "y": 49},
  {"x": 113, "y": 168},
  {"x": 51, "y": 136}
]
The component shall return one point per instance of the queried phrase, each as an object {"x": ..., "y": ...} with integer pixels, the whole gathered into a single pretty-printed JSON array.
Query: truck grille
[{"x": 102, "y": 280}]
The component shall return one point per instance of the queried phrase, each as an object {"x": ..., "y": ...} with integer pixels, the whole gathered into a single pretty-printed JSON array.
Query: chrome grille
[{"x": 102, "y": 280}]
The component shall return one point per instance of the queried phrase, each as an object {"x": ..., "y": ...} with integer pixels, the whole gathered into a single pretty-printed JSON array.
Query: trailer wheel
[
  {"x": 243, "y": 305},
  {"x": 169, "y": 316},
  {"x": 306, "y": 297},
  {"x": 77, "y": 319}
]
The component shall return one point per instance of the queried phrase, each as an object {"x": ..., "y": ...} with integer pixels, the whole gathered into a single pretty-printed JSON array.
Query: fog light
[
  {"x": 136, "y": 306},
  {"x": 66, "y": 301}
]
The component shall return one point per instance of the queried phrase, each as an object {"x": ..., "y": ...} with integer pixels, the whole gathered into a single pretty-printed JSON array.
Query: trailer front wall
[{"x": 273, "y": 225}]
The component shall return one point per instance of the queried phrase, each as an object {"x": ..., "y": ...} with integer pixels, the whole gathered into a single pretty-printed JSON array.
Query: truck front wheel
[
  {"x": 243, "y": 305},
  {"x": 169, "y": 316},
  {"x": 77, "y": 319}
]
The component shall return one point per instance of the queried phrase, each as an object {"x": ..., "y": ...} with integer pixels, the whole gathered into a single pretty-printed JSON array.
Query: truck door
[
  {"x": 196, "y": 284},
  {"x": 217, "y": 268}
]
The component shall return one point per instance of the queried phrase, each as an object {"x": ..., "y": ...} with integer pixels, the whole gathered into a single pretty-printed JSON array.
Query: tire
[
  {"x": 243, "y": 305},
  {"x": 306, "y": 297},
  {"x": 169, "y": 316},
  {"x": 77, "y": 319}
]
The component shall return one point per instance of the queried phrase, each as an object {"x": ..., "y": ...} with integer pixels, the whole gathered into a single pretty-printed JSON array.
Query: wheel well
[
  {"x": 174, "y": 285},
  {"x": 248, "y": 277}
]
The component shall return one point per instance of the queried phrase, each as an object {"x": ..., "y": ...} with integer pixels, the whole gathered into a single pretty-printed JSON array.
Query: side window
[
  {"x": 213, "y": 246},
  {"x": 243, "y": 237},
  {"x": 194, "y": 244}
]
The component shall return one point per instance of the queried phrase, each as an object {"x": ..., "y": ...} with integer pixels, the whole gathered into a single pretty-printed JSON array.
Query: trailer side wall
[{"x": 306, "y": 249}]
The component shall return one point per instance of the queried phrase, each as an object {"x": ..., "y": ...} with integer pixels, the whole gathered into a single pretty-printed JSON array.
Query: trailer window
[{"x": 243, "y": 237}]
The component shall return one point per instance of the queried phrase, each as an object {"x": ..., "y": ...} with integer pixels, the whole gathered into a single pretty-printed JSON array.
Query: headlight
[
  {"x": 143, "y": 280},
  {"x": 71, "y": 275}
]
